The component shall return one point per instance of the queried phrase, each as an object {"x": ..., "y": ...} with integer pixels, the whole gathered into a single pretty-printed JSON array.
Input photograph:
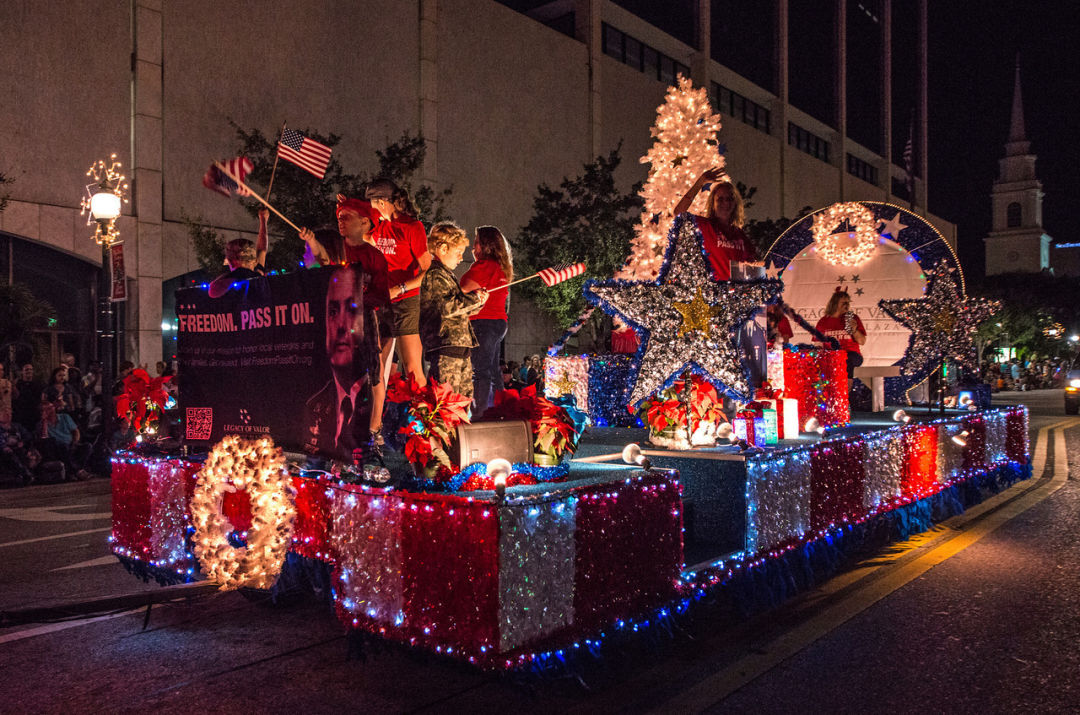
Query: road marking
[
  {"x": 56, "y": 536},
  {"x": 54, "y": 627},
  {"x": 713, "y": 689},
  {"x": 48, "y": 513},
  {"x": 99, "y": 561}
]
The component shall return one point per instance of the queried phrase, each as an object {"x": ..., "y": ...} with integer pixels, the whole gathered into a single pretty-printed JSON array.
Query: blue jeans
[{"x": 487, "y": 378}]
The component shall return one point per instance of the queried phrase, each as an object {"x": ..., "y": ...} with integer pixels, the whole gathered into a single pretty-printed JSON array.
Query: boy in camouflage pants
[{"x": 445, "y": 331}]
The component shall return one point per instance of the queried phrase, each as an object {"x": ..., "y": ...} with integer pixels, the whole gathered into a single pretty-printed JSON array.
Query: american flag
[
  {"x": 558, "y": 274},
  {"x": 308, "y": 154},
  {"x": 909, "y": 160},
  {"x": 217, "y": 180}
]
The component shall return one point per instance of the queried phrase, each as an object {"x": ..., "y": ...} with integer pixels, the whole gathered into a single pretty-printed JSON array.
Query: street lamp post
[{"x": 104, "y": 200}]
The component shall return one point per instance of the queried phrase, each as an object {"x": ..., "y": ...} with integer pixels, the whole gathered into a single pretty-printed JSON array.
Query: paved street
[{"x": 977, "y": 615}]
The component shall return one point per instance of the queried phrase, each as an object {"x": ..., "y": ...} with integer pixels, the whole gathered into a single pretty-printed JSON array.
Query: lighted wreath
[
  {"x": 258, "y": 468},
  {"x": 847, "y": 248}
]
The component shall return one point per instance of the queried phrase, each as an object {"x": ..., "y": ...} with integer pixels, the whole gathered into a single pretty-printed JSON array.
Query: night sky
[{"x": 973, "y": 48}]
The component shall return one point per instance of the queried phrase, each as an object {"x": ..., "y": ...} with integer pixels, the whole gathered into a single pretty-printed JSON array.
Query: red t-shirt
[
  {"x": 377, "y": 291},
  {"x": 834, "y": 328},
  {"x": 402, "y": 241},
  {"x": 730, "y": 244},
  {"x": 489, "y": 274}
]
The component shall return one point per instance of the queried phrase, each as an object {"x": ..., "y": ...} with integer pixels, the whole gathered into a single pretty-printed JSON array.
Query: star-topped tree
[
  {"x": 689, "y": 320},
  {"x": 685, "y": 145},
  {"x": 943, "y": 322}
]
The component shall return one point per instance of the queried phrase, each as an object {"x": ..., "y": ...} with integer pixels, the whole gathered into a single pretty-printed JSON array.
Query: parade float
[{"x": 555, "y": 538}]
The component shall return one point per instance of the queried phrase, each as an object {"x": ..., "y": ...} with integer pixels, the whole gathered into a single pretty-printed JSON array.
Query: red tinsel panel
[
  {"x": 450, "y": 561},
  {"x": 975, "y": 451},
  {"x": 919, "y": 475},
  {"x": 836, "y": 483},
  {"x": 1016, "y": 436},
  {"x": 311, "y": 537},
  {"x": 629, "y": 549},
  {"x": 818, "y": 380},
  {"x": 131, "y": 508}
]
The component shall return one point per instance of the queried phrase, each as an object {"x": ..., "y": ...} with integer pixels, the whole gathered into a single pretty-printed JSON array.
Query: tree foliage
[
  {"x": 5, "y": 196},
  {"x": 585, "y": 219},
  {"x": 22, "y": 315},
  {"x": 1038, "y": 312},
  {"x": 309, "y": 202}
]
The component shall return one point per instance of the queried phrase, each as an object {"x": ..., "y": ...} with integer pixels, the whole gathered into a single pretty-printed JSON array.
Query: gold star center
[
  {"x": 695, "y": 314},
  {"x": 564, "y": 385},
  {"x": 944, "y": 322}
]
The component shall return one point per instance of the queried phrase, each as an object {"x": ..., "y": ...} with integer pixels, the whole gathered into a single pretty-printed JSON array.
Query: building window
[
  {"x": 862, "y": 169},
  {"x": 808, "y": 142},
  {"x": 734, "y": 105},
  {"x": 1013, "y": 215},
  {"x": 634, "y": 53}
]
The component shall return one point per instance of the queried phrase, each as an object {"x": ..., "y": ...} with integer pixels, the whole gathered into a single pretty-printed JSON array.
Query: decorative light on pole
[{"x": 104, "y": 199}]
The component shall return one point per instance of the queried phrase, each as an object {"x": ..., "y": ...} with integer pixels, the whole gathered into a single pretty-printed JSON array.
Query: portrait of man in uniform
[{"x": 337, "y": 416}]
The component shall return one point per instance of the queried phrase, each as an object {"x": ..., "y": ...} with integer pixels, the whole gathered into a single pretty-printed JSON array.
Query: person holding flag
[
  {"x": 404, "y": 243},
  {"x": 492, "y": 268}
]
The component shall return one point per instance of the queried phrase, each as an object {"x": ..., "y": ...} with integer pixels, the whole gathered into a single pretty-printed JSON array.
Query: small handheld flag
[
  {"x": 558, "y": 274},
  {"x": 308, "y": 154},
  {"x": 217, "y": 180},
  {"x": 550, "y": 276}
]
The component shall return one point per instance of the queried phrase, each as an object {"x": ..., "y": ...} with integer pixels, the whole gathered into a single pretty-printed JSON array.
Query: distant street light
[{"x": 104, "y": 199}]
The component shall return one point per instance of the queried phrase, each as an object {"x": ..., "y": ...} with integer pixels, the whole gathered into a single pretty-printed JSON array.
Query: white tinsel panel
[
  {"x": 950, "y": 455},
  {"x": 995, "y": 437},
  {"x": 777, "y": 500},
  {"x": 536, "y": 570},
  {"x": 884, "y": 463},
  {"x": 365, "y": 538},
  {"x": 168, "y": 512}
]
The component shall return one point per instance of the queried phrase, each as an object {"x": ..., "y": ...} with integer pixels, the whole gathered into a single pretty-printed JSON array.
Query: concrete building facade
[{"x": 507, "y": 95}]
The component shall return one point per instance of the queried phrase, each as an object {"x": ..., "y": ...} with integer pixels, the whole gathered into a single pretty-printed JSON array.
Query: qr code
[{"x": 200, "y": 422}]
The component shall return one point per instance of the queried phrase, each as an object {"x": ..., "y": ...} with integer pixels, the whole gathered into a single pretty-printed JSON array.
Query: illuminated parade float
[{"x": 545, "y": 532}]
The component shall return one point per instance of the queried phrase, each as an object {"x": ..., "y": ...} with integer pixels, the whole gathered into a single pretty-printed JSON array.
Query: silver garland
[
  {"x": 943, "y": 322},
  {"x": 689, "y": 320}
]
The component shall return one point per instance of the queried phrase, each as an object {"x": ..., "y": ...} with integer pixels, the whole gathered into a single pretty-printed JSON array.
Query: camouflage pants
[{"x": 455, "y": 371}]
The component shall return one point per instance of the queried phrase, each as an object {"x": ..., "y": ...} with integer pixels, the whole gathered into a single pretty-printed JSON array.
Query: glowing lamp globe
[{"x": 104, "y": 206}]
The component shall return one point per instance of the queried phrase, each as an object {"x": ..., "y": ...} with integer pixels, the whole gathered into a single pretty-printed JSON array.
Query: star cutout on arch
[
  {"x": 689, "y": 321},
  {"x": 943, "y": 323},
  {"x": 892, "y": 227}
]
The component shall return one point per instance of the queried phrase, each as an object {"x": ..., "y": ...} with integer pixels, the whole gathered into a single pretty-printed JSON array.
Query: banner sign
[
  {"x": 118, "y": 275},
  {"x": 284, "y": 356}
]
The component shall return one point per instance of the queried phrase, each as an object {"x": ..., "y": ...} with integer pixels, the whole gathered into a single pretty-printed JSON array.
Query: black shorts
[{"x": 406, "y": 320}]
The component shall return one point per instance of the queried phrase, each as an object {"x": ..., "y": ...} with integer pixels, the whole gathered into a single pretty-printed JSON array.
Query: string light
[
  {"x": 685, "y": 145},
  {"x": 236, "y": 464},
  {"x": 847, "y": 248}
]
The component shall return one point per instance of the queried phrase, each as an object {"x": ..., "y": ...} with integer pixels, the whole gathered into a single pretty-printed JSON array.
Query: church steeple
[
  {"x": 1018, "y": 144},
  {"x": 1017, "y": 241}
]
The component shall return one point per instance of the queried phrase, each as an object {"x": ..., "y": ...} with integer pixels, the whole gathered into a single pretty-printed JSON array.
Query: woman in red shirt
[
  {"x": 493, "y": 267},
  {"x": 721, "y": 226},
  {"x": 841, "y": 323},
  {"x": 403, "y": 241}
]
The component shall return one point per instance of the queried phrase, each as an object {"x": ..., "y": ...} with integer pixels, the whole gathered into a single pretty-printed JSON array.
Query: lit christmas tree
[{"x": 685, "y": 146}]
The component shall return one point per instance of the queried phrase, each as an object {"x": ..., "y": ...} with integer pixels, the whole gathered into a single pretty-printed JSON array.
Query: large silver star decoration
[
  {"x": 679, "y": 337},
  {"x": 943, "y": 322}
]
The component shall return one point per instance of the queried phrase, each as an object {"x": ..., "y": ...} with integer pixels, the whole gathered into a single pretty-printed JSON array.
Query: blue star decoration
[
  {"x": 943, "y": 323},
  {"x": 688, "y": 320}
]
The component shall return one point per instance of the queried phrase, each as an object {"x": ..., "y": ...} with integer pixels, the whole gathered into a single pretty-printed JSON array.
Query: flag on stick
[
  {"x": 558, "y": 274},
  {"x": 308, "y": 154},
  {"x": 217, "y": 180},
  {"x": 550, "y": 276}
]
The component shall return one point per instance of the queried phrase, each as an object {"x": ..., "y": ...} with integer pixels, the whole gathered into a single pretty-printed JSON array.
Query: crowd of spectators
[
  {"x": 59, "y": 429},
  {"x": 1021, "y": 375}
]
